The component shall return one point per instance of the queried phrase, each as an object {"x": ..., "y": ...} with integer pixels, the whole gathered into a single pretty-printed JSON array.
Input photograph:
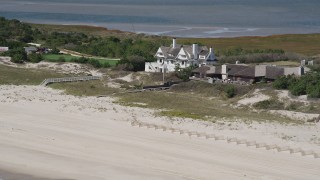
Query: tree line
[{"x": 132, "y": 51}]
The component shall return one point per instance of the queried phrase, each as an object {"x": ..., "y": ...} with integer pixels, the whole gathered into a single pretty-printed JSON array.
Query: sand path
[{"x": 40, "y": 139}]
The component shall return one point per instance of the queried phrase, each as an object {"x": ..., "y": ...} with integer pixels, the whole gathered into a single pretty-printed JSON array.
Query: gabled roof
[
  {"x": 170, "y": 52},
  {"x": 174, "y": 52},
  {"x": 203, "y": 52},
  {"x": 31, "y": 48}
]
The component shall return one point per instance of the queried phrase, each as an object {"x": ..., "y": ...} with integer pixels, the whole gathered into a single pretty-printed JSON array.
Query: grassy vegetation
[
  {"x": 192, "y": 102},
  {"x": 89, "y": 88},
  {"x": 19, "y": 76},
  {"x": 68, "y": 58},
  {"x": 308, "y": 44},
  {"x": 284, "y": 63},
  {"x": 195, "y": 106},
  {"x": 56, "y": 57}
]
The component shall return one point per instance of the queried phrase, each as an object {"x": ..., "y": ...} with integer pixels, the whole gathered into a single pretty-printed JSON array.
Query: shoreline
[{"x": 180, "y": 31}]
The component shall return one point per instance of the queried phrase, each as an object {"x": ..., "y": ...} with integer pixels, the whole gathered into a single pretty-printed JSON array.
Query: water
[{"x": 180, "y": 18}]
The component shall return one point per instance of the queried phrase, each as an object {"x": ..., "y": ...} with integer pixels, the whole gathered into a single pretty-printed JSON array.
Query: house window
[
  {"x": 171, "y": 62},
  {"x": 160, "y": 60},
  {"x": 182, "y": 63}
]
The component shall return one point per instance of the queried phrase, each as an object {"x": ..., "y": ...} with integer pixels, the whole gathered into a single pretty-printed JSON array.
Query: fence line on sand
[{"x": 228, "y": 139}]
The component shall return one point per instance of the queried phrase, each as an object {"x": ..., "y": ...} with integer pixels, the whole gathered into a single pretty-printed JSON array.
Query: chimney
[
  {"x": 195, "y": 51},
  {"x": 174, "y": 43},
  {"x": 211, "y": 54}
]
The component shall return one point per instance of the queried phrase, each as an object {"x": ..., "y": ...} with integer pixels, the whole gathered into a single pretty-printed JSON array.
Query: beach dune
[{"x": 45, "y": 133}]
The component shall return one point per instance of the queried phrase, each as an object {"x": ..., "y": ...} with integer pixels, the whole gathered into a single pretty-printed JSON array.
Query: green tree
[
  {"x": 184, "y": 73},
  {"x": 35, "y": 58},
  {"x": 17, "y": 55}
]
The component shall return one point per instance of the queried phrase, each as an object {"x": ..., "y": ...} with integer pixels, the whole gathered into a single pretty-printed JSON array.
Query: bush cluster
[
  {"x": 308, "y": 84},
  {"x": 82, "y": 60},
  {"x": 271, "y": 104},
  {"x": 132, "y": 63}
]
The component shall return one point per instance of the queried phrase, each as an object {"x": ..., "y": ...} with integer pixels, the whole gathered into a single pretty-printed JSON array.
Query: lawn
[{"x": 56, "y": 57}]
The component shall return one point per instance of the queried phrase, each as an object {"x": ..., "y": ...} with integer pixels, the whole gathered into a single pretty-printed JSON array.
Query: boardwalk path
[{"x": 69, "y": 79}]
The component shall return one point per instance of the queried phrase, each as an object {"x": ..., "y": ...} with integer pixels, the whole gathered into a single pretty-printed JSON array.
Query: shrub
[
  {"x": 35, "y": 58},
  {"x": 184, "y": 73},
  {"x": 132, "y": 63},
  {"x": 95, "y": 63},
  {"x": 17, "y": 55},
  {"x": 230, "y": 91},
  {"x": 269, "y": 104}
]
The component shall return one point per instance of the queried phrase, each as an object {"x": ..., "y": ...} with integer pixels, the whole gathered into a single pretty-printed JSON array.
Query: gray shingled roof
[
  {"x": 208, "y": 70},
  {"x": 241, "y": 70},
  {"x": 273, "y": 72},
  {"x": 30, "y": 49}
]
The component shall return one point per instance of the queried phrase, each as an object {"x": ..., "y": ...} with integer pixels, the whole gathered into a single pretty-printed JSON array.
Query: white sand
[
  {"x": 48, "y": 134},
  {"x": 257, "y": 96},
  {"x": 127, "y": 78}
]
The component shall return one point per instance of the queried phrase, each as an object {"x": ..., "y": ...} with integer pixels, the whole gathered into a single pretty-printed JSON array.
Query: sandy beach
[{"x": 47, "y": 134}]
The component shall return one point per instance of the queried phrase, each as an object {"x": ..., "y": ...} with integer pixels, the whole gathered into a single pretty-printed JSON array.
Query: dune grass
[
  {"x": 192, "y": 100},
  {"x": 88, "y": 88},
  {"x": 20, "y": 76},
  {"x": 195, "y": 106}
]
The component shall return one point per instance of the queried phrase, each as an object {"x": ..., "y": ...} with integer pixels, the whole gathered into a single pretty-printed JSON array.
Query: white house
[
  {"x": 4, "y": 49},
  {"x": 180, "y": 55}
]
